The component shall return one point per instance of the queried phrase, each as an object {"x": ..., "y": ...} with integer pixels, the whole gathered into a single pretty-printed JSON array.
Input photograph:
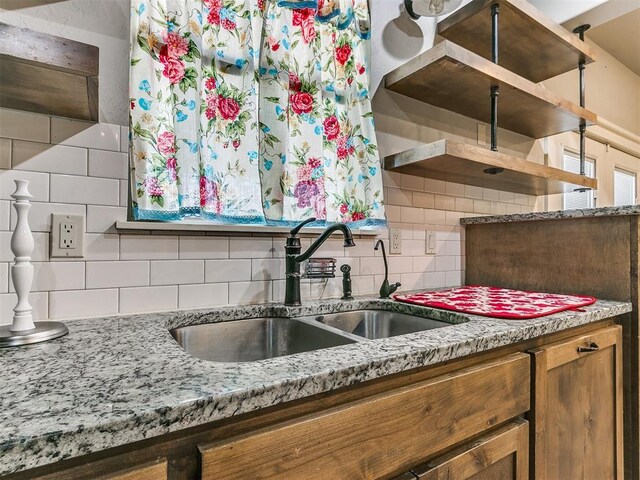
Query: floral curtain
[{"x": 253, "y": 111}]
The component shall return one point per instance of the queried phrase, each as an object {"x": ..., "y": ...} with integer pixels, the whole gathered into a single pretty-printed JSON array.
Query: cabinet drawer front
[
  {"x": 503, "y": 453},
  {"x": 379, "y": 435},
  {"x": 578, "y": 347},
  {"x": 150, "y": 471}
]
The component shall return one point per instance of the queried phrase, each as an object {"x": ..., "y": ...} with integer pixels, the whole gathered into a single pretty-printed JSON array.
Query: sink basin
[
  {"x": 255, "y": 339},
  {"x": 374, "y": 324}
]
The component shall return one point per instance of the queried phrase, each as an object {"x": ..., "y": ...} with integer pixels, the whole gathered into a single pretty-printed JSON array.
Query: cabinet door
[
  {"x": 577, "y": 411},
  {"x": 500, "y": 455}
]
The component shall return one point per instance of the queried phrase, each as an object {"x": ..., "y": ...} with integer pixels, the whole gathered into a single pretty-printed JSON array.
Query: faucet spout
[
  {"x": 293, "y": 256},
  {"x": 386, "y": 289},
  {"x": 348, "y": 240}
]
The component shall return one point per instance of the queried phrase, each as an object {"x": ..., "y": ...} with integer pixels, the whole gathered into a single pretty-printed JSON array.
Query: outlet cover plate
[
  {"x": 395, "y": 241},
  {"x": 67, "y": 236}
]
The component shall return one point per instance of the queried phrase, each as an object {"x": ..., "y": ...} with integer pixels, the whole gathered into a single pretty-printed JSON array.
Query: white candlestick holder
[{"x": 23, "y": 329}]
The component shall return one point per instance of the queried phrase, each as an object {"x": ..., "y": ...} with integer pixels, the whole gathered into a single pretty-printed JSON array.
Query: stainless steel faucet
[
  {"x": 386, "y": 289},
  {"x": 294, "y": 257}
]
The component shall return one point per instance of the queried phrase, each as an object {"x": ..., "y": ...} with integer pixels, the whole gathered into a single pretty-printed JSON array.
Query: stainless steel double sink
[{"x": 261, "y": 338}]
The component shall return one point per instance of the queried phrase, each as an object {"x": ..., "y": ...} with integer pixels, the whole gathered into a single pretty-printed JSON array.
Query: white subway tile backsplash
[
  {"x": 396, "y": 196},
  {"x": 103, "y": 163},
  {"x": 5, "y": 153},
  {"x": 363, "y": 285},
  {"x": 101, "y": 219},
  {"x": 443, "y": 202},
  {"x": 412, "y": 281},
  {"x": 434, "y": 186},
  {"x": 455, "y": 189},
  {"x": 400, "y": 264},
  {"x": 124, "y": 139},
  {"x": 453, "y": 279},
  {"x": 148, "y": 299},
  {"x": 24, "y": 126},
  {"x": 83, "y": 303},
  {"x": 507, "y": 197},
  {"x": 413, "y": 248},
  {"x": 250, "y": 292},
  {"x": 4, "y": 277},
  {"x": 40, "y": 214},
  {"x": 49, "y": 276},
  {"x": 39, "y": 302},
  {"x": 38, "y": 184},
  {"x": 124, "y": 193},
  {"x": 117, "y": 274},
  {"x": 423, "y": 200},
  {"x": 84, "y": 172},
  {"x": 99, "y": 246},
  {"x": 411, "y": 182},
  {"x": 267, "y": 268},
  {"x": 85, "y": 190},
  {"x": 256, "y": 247},
  {"x": 436, "y": 280},
  {"x": 103, "y": 136},
  {"x": 42, "y": 157},
  {"x": 5, "y": 214},
  {"x": 203, "y": 295},
  {"x": 411, "y": 215},
  {"x": 205, "y": 247},
  {"x": 40, "y": 248},
  {"x": 172, "y": 272},
  {"x": 222, "y": 271},
  {"x": 471, "y": 191},
  {"x": 148, "y": 247},
  {"x": 424, "y": 264},
  {"x": 445, "y": 263}
]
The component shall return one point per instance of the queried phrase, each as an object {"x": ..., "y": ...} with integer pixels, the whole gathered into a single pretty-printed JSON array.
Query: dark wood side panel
[
  {"x": 591, "y": 256},
  {"x": 587, "y": 256}
]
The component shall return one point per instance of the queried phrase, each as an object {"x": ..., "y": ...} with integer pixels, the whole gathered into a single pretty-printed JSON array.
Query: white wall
[{"x": 103, "y": 23}]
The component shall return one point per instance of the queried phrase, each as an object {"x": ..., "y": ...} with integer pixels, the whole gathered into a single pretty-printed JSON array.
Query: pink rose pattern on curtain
[{"x": 253, "y": 111}]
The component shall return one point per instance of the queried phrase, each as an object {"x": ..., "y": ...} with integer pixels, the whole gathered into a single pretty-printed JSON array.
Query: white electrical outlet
[
  {"x": 67, "y": 236},
  {"x": 430, "y": 242},
  {"x": 396, "y": 241}
]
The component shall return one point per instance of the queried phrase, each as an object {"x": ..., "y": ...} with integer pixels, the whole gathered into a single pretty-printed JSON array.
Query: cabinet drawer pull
[{"x": 592, "y": 347}]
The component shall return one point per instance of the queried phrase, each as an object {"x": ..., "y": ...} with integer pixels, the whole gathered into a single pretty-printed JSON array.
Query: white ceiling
[
  {"x": 615, "y": 24},
  {"x": 621, "y": 38}
]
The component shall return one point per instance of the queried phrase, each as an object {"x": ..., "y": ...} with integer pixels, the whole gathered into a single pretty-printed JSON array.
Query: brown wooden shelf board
[
  {"x": 530, "y": 44},
  {"x": 47, "y": 74},
  {"x": 450, "y": 77},
  {"x": 462, "y": 163}
]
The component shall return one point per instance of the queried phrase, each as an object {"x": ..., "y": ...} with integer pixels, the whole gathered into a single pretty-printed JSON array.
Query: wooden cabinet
[
  {"x": 500, "y": 455},
  {"x": 577, "y": 408},
  {"x": 381, "y": 435},
  {"x": 457, "y": 420},
  {"x": 150, "y": 471}
]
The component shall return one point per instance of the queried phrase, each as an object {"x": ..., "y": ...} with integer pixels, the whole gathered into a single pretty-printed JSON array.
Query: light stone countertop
[
  {"x": 554, "y": 215},
  {"x": 118, "y": 380}
]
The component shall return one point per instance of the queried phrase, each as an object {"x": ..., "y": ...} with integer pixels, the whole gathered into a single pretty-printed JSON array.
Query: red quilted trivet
[{"x": 497, "y": 302}]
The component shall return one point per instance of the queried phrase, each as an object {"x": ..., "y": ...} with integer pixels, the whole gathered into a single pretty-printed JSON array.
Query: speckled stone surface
[
  {"x": 118, "y": 380},
  {"x": 555, "y": 215}
]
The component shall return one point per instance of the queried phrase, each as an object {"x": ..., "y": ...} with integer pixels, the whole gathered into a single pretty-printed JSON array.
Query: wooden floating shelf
[
  {"x": 47, "y": 74},
  {"x": 462, "y": 163},
  {"x": 531, "y": 45},
  {"x": 450, "y": 77}
]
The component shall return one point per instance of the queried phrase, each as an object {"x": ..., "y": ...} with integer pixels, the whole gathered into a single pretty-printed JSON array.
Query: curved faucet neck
[{"x": 348, "y": 240}]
